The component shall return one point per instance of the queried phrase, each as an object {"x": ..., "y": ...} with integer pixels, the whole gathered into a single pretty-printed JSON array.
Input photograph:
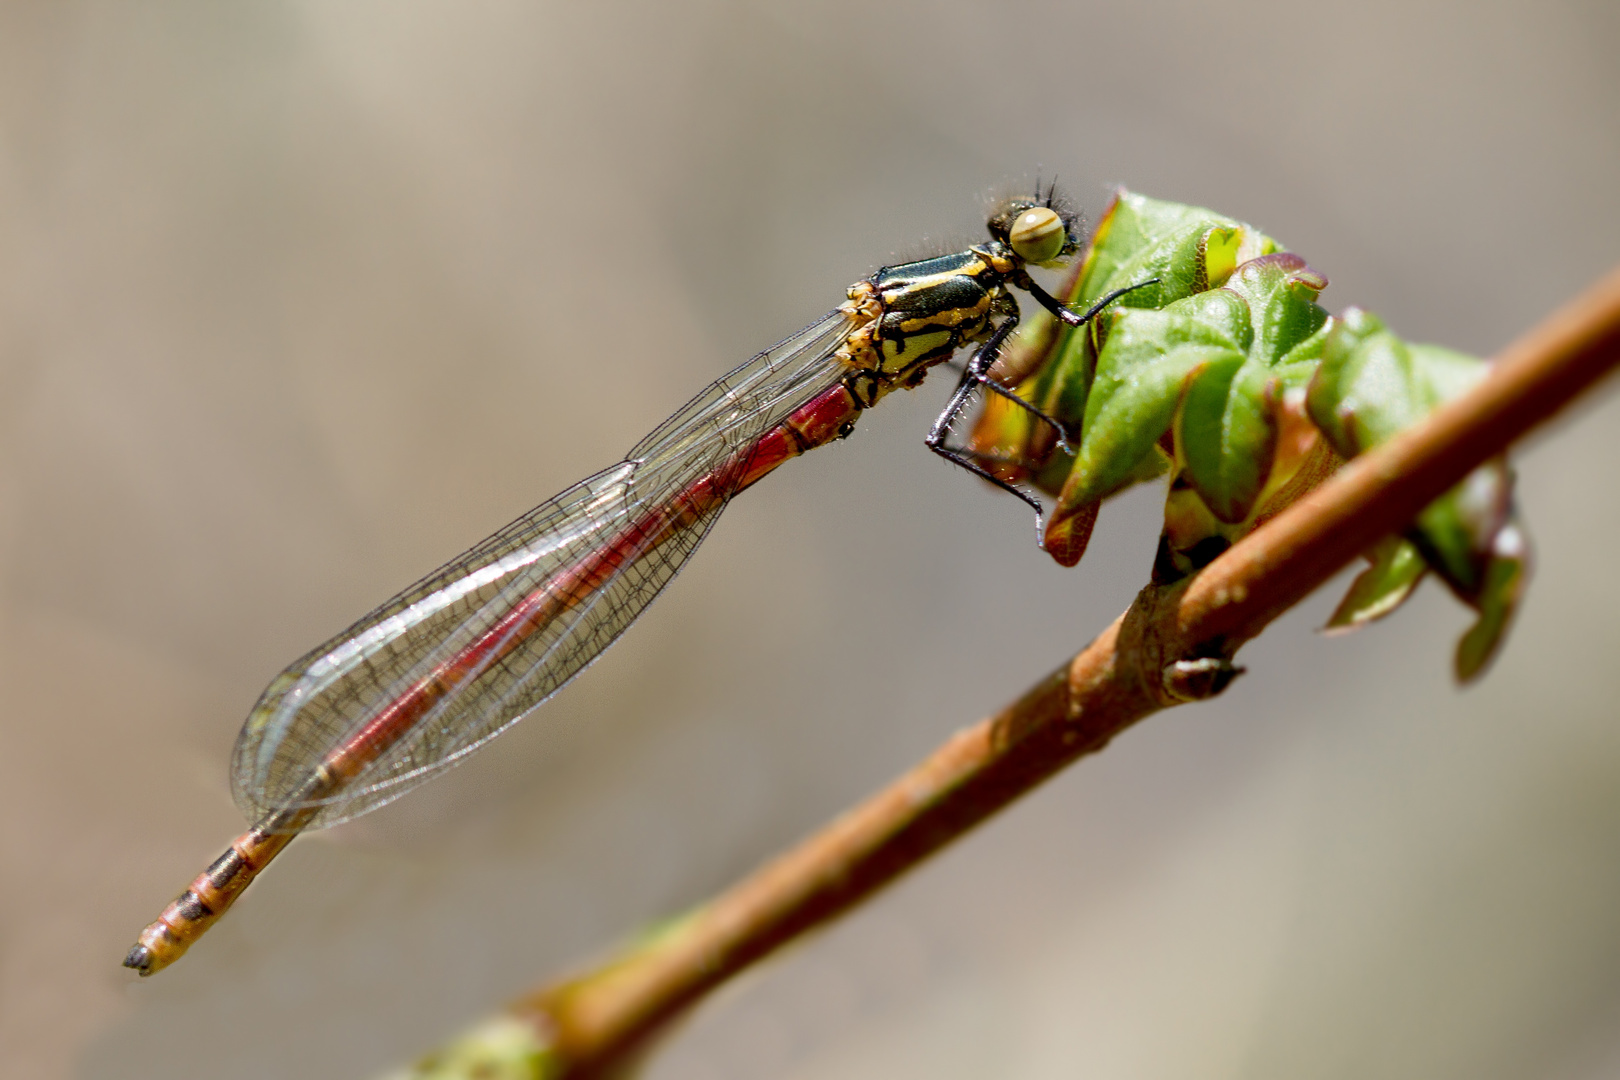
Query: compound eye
[{"x": 1038, "y": 235}]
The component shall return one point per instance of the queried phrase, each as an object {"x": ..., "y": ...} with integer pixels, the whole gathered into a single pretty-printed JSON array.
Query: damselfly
[{"x": 460, "y": 656}]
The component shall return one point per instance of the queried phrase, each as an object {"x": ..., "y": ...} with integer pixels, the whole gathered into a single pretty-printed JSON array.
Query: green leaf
[
  {"x": 1225, "y": 435},
  {"x": 1381, "y": 588},
  {"x": 1368, "y": 387},
  {"x": 1189, "y": 248},
  {"x": 1281, "y": 291},
  {"x": 1507, "y": 571},
  {"x": 1128, "y": 417},
  {"x": 1226, "y": 432},
  {"x": 1449, "y": 373},
  {"x": 1139, "y": 380}
]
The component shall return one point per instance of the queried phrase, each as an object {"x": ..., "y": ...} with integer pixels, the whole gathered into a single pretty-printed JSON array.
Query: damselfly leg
[
  {"x": 971, "y": 380},
  {"x": 977, "y": 374}
]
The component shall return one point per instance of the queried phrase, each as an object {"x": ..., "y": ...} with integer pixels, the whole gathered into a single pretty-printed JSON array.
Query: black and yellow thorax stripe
[{"x": 918, "y": 314}]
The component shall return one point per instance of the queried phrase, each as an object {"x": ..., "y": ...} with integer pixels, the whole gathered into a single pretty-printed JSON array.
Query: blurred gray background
[{"x": 299, "y": 300}]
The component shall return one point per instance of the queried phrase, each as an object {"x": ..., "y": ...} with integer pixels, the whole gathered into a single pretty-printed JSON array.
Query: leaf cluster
[{"x": 1227, "y": 374}]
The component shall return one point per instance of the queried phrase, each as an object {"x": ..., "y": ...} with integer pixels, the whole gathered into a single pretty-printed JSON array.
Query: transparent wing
[{"x": 464, "y": 653}]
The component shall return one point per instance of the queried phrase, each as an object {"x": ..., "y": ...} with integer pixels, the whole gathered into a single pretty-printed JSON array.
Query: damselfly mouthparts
[{"x": 457, "y": 658}]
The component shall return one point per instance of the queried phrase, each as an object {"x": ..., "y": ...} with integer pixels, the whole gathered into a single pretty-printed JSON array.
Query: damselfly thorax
[
  {"x": 918, "y": 314},
  {"x": 448, "y": 664}
]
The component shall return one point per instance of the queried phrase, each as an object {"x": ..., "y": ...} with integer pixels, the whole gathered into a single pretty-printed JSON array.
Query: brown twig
[{"x": 1170, "y": 647}]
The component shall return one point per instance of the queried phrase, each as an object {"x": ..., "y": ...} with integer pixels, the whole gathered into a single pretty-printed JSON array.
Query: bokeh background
[{"x": 299, "y": 300}]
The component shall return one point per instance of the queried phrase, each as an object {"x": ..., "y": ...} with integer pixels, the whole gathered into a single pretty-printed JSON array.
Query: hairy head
[{"x": 1040, "y": 228}]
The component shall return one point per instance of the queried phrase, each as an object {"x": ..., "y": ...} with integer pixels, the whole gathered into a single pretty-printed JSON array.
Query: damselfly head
[{"x": 1039, "y": 229}]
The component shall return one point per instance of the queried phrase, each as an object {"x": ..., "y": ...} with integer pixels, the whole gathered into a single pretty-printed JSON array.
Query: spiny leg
[
  {"x": 1064, "y": 315},
  {"x": 976, "y": 373},
  {"x": 978, "y": 369},
  {"x": 971, "y": 379},
  {"x": 1034, "y": 410}
]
